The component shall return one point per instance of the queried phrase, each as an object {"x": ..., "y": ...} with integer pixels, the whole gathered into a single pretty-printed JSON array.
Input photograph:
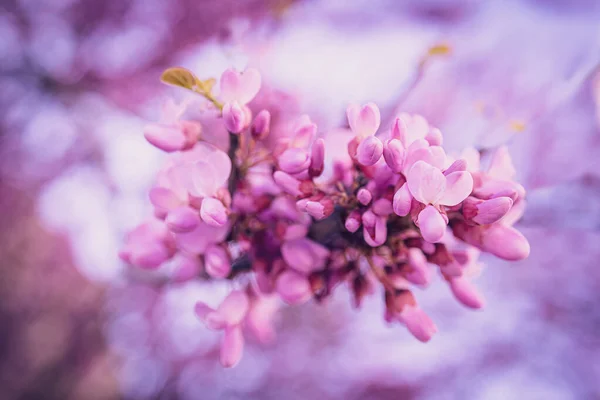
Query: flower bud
[
  {"x": 234, "y": 117},
  {"x": 505, "y": 242},
  {"x": 465, "y": 292},
  {"x": 353, "y": 221},
  {"x": 293, "y": 287},
  {"x": 216, "y": 262},
  {"x": 261, "y": 126},
  {"x": 213, "y": 212},
  {"x": 402, "y": 201},
  {"x": 317, "y": 158},
  {"x": 369, "y": 151},
  {"x": 364, "y": 196},
  {"x": 394, "y": 154}
]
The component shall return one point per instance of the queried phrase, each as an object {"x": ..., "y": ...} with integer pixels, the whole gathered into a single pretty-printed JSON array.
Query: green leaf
[{"x": 178, "y": 76}]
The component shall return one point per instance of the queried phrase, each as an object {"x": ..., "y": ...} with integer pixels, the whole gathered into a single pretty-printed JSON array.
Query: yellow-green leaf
[
  {"x": 178, "y": 76},
  {"x": 207, "y": 85}
]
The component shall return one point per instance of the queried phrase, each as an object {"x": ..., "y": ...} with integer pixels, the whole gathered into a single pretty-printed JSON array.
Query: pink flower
[
  {"x": 293, "y": 287},
  {"x": 147, "y": 246},
  {"x": 172, "y": 134},
  {"x": 304, "y": 255},
  {"x": 227, "y": 317},
  {"x": 429, "y": 186}
]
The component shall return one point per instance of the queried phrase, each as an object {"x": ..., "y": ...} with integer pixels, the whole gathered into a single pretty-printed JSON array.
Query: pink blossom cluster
[{"x": 264, "y": 215}]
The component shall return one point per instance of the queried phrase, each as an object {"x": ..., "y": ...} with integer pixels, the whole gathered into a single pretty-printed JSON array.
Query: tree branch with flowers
[{"x": 264, "y": 214}]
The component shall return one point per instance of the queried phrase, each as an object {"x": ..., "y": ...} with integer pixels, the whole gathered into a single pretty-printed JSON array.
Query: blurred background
[{"x": 78, "y": 81}]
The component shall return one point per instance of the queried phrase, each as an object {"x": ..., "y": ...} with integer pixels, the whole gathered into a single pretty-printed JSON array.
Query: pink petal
[
  {"x": 402, "y": 201},
  {"x": 456, "y": 166},
  {"x": 182, "y": 219},
  {"x": 432, "y": 224},
  {"x": 216, "y": 262},
  {"x": 240, "y": 87},
  {"x": 148, "y": 255},
  {"x": 213, "y": 156},
  {"x": 426, "y": 183},
  {"x": 166, "y": 137},
  {"x": 233, "y": 117},
  {"x": 466, "y": 293},
  {"x": 377, "y": 235},
  {"x": 418, "y": 323},
  {"x": 293, "y": 287},
  {"x": 394, "y": 154},
  {"x": 459, "y": 186},
  {"x": 184, "y": 268},
  {"x": 287, "y": 183},
  {"x": 420, "y": 274},
  {"x": 234, "y": 307},
  {"x": 294, "y": 160},
  {"x": 232, "y": 346},
  {"x": 164, "y": 199},
  {"x": 434, "y": 137},
  {"x": 364, "y": 121},
  {"x": 260, "y": 318},
  {"x": 304, "y": 255},
  {"x": 490, "y": 211},
  {"x": 213, "y": 212},
  {"x": 369, "y": 151},
  {"x": 505, "y": 242}
]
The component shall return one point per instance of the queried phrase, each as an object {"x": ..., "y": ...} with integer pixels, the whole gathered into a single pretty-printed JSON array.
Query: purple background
[{"x": 78, "y": 81}]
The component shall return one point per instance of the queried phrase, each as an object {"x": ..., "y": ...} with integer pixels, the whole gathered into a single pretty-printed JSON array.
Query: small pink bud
[
  {"x": 505, "y": 242},
  {"x": 182, "y": 219},
  {"x": 432, "y": 224},
  {"x": 213, "y": 212},
  {"x": 369, "y": 151},
  {"x": 294, "y": 160},
  {"x": 353, "y": 221},
  {"x": 418, "y": 323},
  {"x": 234, "y": 307},
  {"x": 320, "y": 209},
  {"x": 465, "y": 292},
  {"x": 261, "y": 126},
  {"x": 364, "y": 196},
  {"x": 374, "y": 229},
  {"x": 234, "y": 117},
  {"x": 216, "y": 262},
  {"x": 402, "y": 201},
  {"x": 382, "y": 207},
  {"x": 287, "y": 183},
  {"x": 394, "y": 154},
  {"x": 317, "y": 158},
  {"x": 232, "y": 346},
  {"x": 293, "y": 287}
]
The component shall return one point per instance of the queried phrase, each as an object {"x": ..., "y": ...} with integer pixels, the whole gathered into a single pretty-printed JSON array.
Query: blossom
[
  {"x": 282, "y": 218},
  {"x": 172, "y": 133}
]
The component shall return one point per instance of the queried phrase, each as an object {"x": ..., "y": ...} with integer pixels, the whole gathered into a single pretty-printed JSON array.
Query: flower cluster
[{"x": 268, "y": 216}]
